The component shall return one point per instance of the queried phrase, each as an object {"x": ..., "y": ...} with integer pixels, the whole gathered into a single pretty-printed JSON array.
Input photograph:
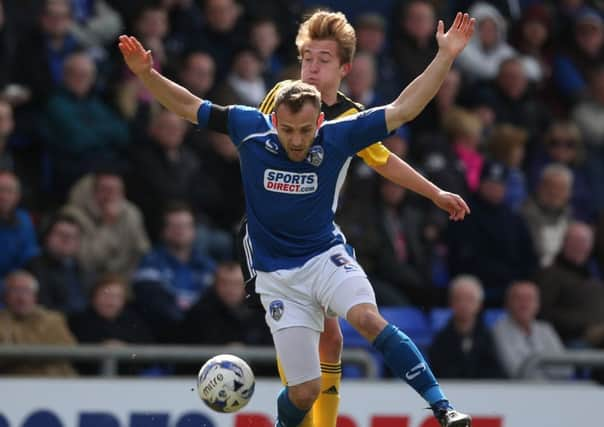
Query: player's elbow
[{"x": 397, "y": 114}]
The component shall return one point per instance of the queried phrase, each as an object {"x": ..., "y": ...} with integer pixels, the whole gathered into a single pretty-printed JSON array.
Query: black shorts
[{"x": 244, "y": 252}]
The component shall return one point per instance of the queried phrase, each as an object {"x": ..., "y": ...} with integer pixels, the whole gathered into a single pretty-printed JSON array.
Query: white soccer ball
[{"x": 225, "y": 383}]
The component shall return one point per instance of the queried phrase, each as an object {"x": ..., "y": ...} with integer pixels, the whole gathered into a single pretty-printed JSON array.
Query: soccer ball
[{"x": 225, "y": 383}]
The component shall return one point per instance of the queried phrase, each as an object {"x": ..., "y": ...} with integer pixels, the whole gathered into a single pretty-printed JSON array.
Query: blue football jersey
[{"x": 290, "y": 206}]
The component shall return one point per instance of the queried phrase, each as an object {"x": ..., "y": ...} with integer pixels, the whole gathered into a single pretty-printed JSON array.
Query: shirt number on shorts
[{"x": 339, "y": 260}]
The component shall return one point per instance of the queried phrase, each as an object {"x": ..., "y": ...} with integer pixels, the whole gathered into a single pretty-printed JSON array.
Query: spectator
[
  {"x": 224, "y": 303},
  {"x": 25, "y": 322},
  {"x": 464, "y": 131},
  {"x": 388, "y": 233},
  {"x": 151, "y": 27},
  {"x": 265, "y": 39},
  {"x": 7, "y": 48},
  {"x": 96, "y": 23},
  {"x": 465, "y": 347},
  {"x": 64, "y": 284},
  {"x": 562, "y": 144},
  {"x": 485, "y": 52},
  {"x": 371, "y": 38},
  {"x": 113, "y": 235},
  {"x": 582, "y": 56},
  {"x": 360, "y": 82},
  {"x": 548, "y": 212},
  {"x": 81, "y": 131},
  {"x": 109, "y": 321},
  {"x": 163, "y": 170},
  {"x": 532, "y": 39},
  {"x": 414, "y": 44},
  {"x": 223, "y": 203},
  {"x": 173, "y": 276},
  {"x": 572, "y": 295},
  {"x": 17, "y": 234},
  {"x": 518, "y": 335},
  {"x": 7, "y": 125},
  {"x": 198, "y": 73},
  {"x": 510, "y": 99},
  {"x": 495, "y": 235},
  {"x": 244, "y": 85},
  {"x": 588, "y": 114},
  {"x": 507, "y": 145},
  {"x": 47, "y": 46},
  {"x": 221, "y": 35}
]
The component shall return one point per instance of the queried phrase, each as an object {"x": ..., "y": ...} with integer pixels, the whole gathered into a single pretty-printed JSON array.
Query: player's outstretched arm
[
  {"x": 420, "y": 91},
  {"x": 171, "y": 95},
  {"x": 399, "y": 172}
]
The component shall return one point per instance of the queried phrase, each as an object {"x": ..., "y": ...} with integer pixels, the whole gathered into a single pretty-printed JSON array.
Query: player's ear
[
  {"x": 320, "y": 119},
  {"x": 345, "y": 69},
  {"x": 274, "y": 119}
]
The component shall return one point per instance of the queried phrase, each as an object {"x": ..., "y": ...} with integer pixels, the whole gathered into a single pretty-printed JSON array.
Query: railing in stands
[
  {"x": 111, "y": 356},
  {"x": 577, "y": 358}
]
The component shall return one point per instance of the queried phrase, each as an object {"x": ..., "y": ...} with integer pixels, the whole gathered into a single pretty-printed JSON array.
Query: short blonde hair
[{"x": 326, "y": 25}]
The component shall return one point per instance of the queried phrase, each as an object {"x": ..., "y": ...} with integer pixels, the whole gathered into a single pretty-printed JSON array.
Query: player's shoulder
[{"x": 349, "y": 103}]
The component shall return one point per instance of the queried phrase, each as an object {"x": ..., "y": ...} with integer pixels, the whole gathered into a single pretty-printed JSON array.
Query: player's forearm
[
  {"x": 414, "y": 98},
  {"x": 171, "y": 95},
  {"x": 399, "y": 172}
]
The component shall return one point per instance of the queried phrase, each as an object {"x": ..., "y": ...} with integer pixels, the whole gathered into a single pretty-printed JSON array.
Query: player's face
[
  {"x": 321, "y": 66},
  {"x": 296, "y": 131}
]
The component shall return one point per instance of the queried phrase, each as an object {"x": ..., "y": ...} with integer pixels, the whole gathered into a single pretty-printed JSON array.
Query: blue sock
[
  {"x": 288, "y": 414},
  {"x": 406, "y": 361}
]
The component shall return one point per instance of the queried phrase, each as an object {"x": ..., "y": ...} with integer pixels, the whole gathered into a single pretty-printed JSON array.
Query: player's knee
[
  {"x": 303, "y": 396},
  {"x": 367, "y": 320}
]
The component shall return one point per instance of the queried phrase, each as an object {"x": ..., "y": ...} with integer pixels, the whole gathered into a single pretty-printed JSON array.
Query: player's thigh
[
  {"x": 339, "y": 267},
  {"x": 297, "y": 349},
  {"x": 286, "y": 307}
]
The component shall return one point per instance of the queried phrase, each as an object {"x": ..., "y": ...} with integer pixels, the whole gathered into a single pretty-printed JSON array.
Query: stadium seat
[
  {"x": 439, "y": 317},
  {"x": 491, "y": 315},
  {"x": 412, "y": 321}
]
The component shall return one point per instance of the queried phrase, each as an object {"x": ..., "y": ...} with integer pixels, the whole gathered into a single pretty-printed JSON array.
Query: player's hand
[
  {"x": 453, "y": 204},
  {"x": 453, "y": 41},
  {"x": 138, "y": 59}
]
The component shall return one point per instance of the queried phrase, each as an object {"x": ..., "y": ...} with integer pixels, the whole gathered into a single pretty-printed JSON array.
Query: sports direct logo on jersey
[{"x": 290, "y": 182}]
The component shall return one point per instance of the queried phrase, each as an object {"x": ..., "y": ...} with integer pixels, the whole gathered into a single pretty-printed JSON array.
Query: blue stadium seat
[
  {"x": 412, "y": 321},
  {"x": 439, "y": 317},
  {"x": 352, "y": 339},
  {"x": 491, "y": 315}
]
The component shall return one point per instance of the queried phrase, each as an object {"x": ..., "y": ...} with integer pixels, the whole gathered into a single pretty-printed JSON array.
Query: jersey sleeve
[
  {"x": 242, "y": 123},
  {"x": 354, "y": 133},
  {"x": 375, "y": 155}
]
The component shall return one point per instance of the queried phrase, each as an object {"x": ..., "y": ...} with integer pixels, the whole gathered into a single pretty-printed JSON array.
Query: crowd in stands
[{"x": 118, "y": 220}]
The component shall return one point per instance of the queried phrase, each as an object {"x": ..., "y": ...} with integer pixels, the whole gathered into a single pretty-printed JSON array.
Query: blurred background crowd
[{"x": 118, "y": 219}]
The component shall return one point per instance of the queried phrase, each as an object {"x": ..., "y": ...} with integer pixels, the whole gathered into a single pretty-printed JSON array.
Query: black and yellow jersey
[{"x": 374, "y": 155}]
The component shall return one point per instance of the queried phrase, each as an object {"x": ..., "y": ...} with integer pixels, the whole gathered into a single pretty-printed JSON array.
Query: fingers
[
  {"x": 137, "y": 44},
  {"x": 464, "y": 22},
  {"x": 126, "y": 46},
  {"x": 457, "y": 21},
  {"x": 470, "y": 30},
  {"x": 458, "y": 208},
  {"x": 440, "y": 29},
  {"x": 463, "y": 205}
]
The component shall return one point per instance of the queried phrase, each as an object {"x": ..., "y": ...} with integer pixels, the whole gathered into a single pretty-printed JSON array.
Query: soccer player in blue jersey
[{"x": 293, "y": 166}]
